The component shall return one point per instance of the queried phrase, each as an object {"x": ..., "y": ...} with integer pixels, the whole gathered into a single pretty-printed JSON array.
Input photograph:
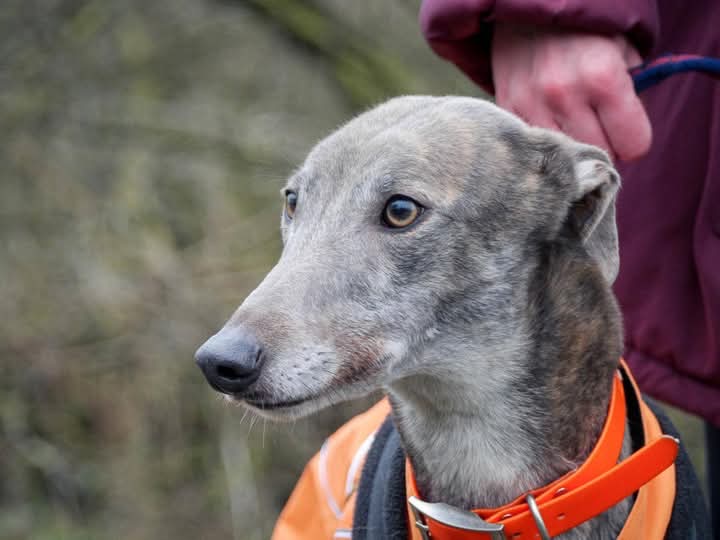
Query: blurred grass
[{"x": 143, "y": 148}]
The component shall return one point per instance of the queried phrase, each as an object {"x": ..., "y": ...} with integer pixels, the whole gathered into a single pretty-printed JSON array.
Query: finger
[
  {"x": 580, "y": 121},
  {"x": 532, "y": 111},
  {"x": 632, "y": 58},
  {"x": 629, "y": 52},
  {"x": 567, "y": 100},
  {"x": 624, "y": 120},
  {"x": 540, "y": 117}
]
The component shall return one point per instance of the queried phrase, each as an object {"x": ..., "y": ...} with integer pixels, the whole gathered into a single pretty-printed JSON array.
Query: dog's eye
[
  {"x": 290, "y": 203},
  {"x": 401, "y": 211}
]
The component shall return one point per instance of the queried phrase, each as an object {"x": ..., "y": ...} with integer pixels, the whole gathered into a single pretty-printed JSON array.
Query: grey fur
[{"x": 489, "y": 323}]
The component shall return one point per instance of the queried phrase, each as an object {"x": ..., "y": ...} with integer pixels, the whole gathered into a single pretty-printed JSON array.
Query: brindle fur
[{"x": 489, "y": 323}]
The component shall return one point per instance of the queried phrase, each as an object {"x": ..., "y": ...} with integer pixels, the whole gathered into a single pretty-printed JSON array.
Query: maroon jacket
[{"x": 669, "y": 206}]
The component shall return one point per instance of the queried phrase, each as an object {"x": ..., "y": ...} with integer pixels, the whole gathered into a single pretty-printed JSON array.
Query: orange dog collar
[{"x": 598, "y": 484}]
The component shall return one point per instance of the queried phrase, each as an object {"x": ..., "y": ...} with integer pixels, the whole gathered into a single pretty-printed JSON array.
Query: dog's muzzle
[{"x": 231, "y": 360}]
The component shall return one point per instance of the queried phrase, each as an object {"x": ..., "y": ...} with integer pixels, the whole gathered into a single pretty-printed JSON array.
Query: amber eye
[
  {"x": 290, "y": 204},
  {"x": 401, "y": 211}
]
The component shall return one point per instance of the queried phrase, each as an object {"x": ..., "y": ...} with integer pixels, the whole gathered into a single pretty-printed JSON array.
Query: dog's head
[{"x": 412, "y": 233}]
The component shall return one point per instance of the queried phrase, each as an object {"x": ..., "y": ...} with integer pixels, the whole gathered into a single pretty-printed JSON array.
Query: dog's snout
[{"x": 230, "y": 360}]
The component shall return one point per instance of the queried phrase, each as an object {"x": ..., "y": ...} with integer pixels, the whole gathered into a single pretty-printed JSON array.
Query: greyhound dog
[{"x": 445, "y": 252}]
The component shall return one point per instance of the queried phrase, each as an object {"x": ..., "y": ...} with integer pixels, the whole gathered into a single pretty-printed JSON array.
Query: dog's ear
[{"x": 592, "y": 211}]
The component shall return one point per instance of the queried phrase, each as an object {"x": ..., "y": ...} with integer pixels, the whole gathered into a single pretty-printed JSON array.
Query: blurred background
[{"x": 142, "y": 148}]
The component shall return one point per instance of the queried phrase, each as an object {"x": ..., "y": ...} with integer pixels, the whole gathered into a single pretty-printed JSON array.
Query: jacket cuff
[{"x": 461, "y": 30}]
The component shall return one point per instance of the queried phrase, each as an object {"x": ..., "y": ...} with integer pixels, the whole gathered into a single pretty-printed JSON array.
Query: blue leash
[{"x": 652, "y": 72}]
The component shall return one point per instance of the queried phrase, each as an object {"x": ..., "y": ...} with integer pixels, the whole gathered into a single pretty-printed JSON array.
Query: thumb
[{"x": 631, "y": 57}]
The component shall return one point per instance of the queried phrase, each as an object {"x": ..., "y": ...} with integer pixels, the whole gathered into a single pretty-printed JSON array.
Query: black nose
[{"x": 230, "y": 360}]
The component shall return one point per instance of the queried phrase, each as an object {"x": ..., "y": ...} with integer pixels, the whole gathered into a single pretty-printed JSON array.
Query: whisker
[{"x": 253, "y": 421}]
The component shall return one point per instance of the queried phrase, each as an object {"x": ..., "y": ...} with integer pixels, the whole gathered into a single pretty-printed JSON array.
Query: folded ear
[{"x": 592, "y": 212}]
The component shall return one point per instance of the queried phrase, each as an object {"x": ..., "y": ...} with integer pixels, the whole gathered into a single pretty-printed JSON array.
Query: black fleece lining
[
  {"x": 380, "y": 507},
  {"x": 634, "y": 416}
]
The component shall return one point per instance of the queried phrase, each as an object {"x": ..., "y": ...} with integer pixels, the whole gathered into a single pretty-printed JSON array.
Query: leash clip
[{"x": 451, "y": 517}]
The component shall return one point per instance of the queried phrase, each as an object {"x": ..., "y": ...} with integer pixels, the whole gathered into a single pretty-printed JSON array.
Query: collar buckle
[{"x": 451, "y": 517}]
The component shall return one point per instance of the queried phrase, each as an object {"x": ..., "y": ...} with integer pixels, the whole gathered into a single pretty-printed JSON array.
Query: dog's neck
[
  {"x": 483, "y": 447},
  {"x": 481, "y": 431}
]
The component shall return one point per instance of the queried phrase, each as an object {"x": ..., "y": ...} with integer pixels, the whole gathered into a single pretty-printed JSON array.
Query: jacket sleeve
[
  {"x": 461, "y": 30},
  {"x": 307, "y": 514},
  {"x": 323, "y": 502}
]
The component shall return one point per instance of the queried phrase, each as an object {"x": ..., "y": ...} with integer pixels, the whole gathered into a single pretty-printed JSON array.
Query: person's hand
[{"x": 575, "y": 83}]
